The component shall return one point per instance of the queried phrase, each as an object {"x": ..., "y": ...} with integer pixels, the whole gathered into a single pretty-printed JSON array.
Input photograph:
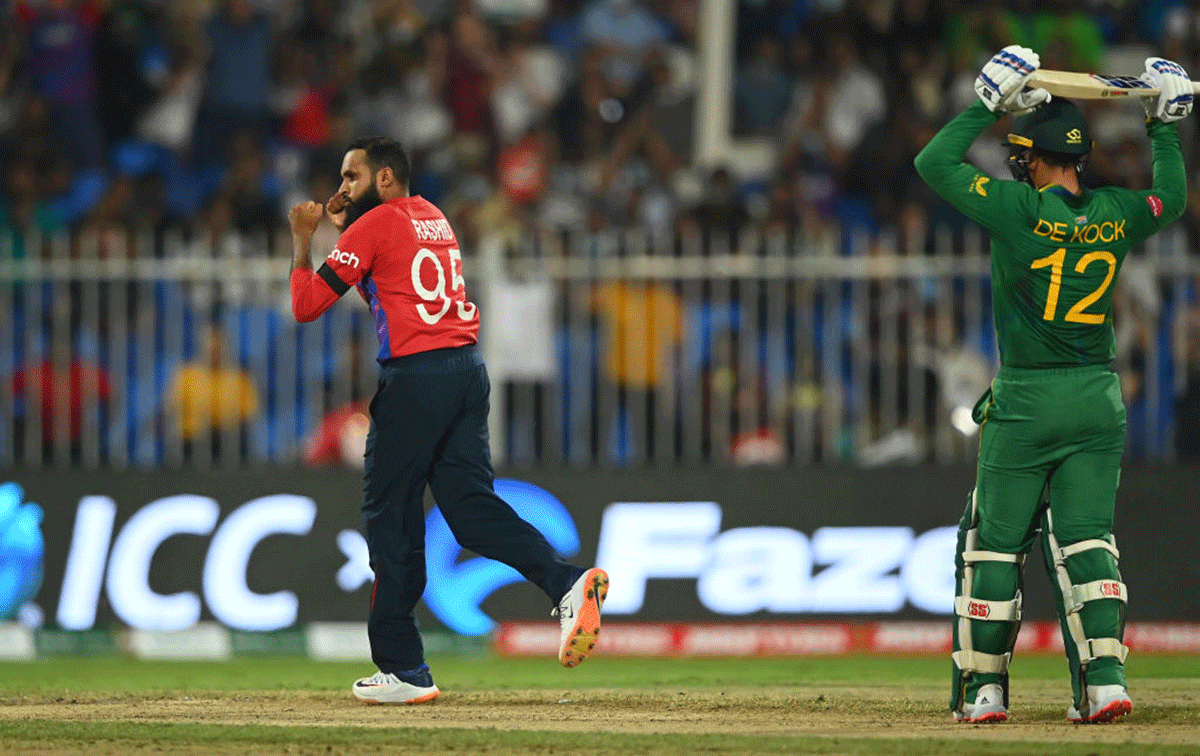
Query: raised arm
[
  {"x": 1001, "y": 90},
  {"x": 1150, "y": 210},
  {"x": 940, "y": 163},
  {"x": 1170, "y": 175},
  {"x": 312, "y": 292},
  {"x": 1174, "y": 103}
]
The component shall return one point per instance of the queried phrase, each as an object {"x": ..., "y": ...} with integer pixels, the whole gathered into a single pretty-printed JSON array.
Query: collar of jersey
[{"x": 1065, "y": 193}]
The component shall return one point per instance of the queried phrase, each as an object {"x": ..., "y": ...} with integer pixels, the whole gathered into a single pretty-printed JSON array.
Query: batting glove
[
  {"x": 1175, "y": 90},
  {"x": 1001, "y": 83}
]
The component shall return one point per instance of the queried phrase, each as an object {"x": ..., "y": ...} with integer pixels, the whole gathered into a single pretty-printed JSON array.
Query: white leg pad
[
  {"x": 977, "y": 661},
  {"x": 970, "y": 557},
  {"x": 994, "y": 611},
  {"x": 971, "y": 609},
  {"x": 1091, "y": 543},
  {"x": 1075, "y": 596},
  {"x": 1097, "y": 590},
  {"x": 1094, "y": 648}
]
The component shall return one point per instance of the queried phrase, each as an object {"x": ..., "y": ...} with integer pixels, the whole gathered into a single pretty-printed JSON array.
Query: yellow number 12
[{"x": 1076, "y": 314}]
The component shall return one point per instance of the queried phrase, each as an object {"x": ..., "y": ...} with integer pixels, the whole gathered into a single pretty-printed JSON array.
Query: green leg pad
[
  {"x": 1103, "y": 618},
  {"x": 992, "y": 581}
]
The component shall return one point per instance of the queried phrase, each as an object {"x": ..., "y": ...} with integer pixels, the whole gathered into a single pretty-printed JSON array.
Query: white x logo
[{"x": 357, "y": 570}]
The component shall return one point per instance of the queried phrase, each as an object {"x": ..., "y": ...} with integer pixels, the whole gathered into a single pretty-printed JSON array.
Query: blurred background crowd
[{"x": 158, "y": 129}]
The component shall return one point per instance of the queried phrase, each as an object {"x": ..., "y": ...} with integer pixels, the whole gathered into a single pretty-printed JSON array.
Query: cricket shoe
[
  {"x": 1106, "y": 703},
  {"x": 988, "y": 706},
  {"x": 578, "y": 613},
  {"x": 411, "y": 687}
]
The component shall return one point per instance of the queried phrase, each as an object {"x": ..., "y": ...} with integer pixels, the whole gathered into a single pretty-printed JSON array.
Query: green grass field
[{"x": 852, "y": 705}]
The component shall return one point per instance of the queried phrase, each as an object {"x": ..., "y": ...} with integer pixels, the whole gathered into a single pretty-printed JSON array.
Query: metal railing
[{"x": 604, "y": 349}]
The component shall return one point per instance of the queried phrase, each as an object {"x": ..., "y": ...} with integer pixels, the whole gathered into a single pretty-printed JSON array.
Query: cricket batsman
[{"x": 1053, "y": 423}]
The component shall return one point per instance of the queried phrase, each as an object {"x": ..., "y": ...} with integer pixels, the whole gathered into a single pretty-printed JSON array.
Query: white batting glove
[
  {"x": 1175, "y": 90},
  {"x": 1001, "y": 83}
]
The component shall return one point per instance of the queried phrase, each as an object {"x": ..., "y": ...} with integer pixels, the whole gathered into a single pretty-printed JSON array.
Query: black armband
[{"x": 335, "y": 281}]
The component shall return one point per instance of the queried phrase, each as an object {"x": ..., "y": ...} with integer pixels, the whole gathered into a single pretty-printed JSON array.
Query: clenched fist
[
  {"x": 304, "y": 218},
  {"x": 336, "y": 207}
]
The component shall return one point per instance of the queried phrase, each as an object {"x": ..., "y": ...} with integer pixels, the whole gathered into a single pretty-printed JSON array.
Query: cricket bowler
[{"x": 428, "y": 417}]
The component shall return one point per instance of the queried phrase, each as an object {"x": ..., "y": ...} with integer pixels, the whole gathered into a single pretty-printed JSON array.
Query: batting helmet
[{"x": 1056, "y": 129}]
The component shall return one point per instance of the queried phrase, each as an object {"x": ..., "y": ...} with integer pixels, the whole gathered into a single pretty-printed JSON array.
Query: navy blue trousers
[{"x": 429, "y": 427}]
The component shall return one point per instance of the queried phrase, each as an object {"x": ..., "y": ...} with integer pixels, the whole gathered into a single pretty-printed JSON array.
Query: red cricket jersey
[{"x": 404, "y": 259}]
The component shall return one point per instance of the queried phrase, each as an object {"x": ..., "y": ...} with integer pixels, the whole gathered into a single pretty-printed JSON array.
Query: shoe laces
[
  {"x": 381, "y": 678},
  {"x": 564, "y": 606}
]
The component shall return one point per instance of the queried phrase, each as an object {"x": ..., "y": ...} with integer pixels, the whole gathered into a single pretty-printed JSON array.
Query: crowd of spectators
[
  {"x": 203, "y": 120},
  {"x": 540, "y": 113}
]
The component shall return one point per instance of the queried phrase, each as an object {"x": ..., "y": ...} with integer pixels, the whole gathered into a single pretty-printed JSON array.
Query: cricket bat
[{"x": 1085, "y": 86}]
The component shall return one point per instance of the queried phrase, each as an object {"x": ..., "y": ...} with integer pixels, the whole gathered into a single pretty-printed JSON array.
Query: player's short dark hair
[
  {"x": 382, "y": 153},
  {"x": 1060, "y": 159}
]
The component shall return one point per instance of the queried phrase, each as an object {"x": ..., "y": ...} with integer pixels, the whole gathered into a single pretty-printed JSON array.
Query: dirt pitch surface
[{"x": 1165, "y": 713}]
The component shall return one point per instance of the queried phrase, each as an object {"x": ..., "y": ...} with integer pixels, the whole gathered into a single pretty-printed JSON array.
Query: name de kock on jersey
[{"x": 1108, "y": 231}]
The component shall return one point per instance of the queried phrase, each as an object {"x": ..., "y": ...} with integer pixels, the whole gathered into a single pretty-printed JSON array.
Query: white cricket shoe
[
  {"x": 988, "y": 706},
  {"x": 578, "y": 613},
  {"x": 1106, "y": 703},
  {"x": 385, "y": 687}
]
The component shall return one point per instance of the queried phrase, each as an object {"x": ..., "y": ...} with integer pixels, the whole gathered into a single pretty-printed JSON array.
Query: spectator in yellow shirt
[
  {"x": 210, "y": 403},
  {"x": 643, "y": 325}
]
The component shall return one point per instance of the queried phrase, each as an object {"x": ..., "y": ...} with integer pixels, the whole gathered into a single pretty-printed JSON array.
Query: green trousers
[
  {"x": 1062, "y": 428},
  {"x": 1051, "y": 441}
]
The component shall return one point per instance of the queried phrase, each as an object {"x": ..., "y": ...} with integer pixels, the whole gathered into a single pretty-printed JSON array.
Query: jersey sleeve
[
  {"x": 989, "y": 202},
  {"x": 1150, "y": 211},
  {"x": 313, "y": 292},
  {"x": 354, "y": 254}
]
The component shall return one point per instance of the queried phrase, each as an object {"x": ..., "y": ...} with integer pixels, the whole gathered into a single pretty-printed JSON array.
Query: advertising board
[{"x": 259, "y": 550}]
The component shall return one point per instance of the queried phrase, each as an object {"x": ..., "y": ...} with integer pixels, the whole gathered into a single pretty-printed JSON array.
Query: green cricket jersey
[{"x": 1055, "y": 256}]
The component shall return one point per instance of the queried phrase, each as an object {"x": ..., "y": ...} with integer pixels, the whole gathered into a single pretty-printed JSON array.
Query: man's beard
[{"x": 359, "y": 207}]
